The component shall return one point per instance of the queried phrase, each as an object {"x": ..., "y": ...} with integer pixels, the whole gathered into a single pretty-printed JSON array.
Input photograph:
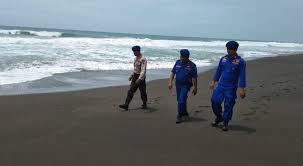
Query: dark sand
[{"x": 85, "y": 128}]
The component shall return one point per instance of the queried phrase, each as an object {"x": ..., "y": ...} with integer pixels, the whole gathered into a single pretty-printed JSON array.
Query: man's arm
[
  {"x": 195, "y": 82},
  {"x": 217, "y": 76},
  {"x": 170, "y": 81},
  {"x": 143, "y": 69},
  {"x": 131, "y": 76},
  {"x": 172, "y": 77},
  {"x": 242, "y": 79}
]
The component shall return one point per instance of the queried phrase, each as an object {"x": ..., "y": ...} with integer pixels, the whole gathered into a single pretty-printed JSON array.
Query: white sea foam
[
  {"x": 31, "y": 33},
  {"x": 31, "y": 58}
]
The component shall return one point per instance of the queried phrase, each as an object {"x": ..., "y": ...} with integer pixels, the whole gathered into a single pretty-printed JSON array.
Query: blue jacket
[
  {"x": 185, "y": 72},
  {"x": 231, "y": 72}
]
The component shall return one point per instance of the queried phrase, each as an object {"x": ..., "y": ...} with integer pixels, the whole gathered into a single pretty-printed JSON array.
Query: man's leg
[
  {"x": 182, "y": 100},
  {"x": 178, "y": 91},
  {"x": 230, "y": 100},
  {"x": 130, "y": 94},
  {"x": 142, "y": 88},
  {"x": 216, "y": 101}
]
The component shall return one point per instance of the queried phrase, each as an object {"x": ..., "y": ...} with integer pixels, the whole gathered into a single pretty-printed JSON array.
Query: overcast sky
[{"x": 274, "y": 20}]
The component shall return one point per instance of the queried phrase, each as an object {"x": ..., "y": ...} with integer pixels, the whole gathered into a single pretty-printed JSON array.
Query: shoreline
[
  {"x": 87, "y": 127},
  {"x": 155, "y": 74}
]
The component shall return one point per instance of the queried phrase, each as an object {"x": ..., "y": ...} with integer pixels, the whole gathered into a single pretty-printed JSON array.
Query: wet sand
[{"x": 86, "y": 127}]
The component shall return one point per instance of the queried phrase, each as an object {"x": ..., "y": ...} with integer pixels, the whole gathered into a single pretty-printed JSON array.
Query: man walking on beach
[
  {"x": 137, "y": 79},
  {"x": 186, "y": 77},
  {"x": 231, "y": 74}
]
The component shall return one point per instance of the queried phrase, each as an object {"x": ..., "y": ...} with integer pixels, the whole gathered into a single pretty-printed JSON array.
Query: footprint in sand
[
  {"x": 265, "y": 112},
  {"x": 275, "y": 94},
  {"x": 196, "y": 112},
  {"x": 263, "y": 105},
  {"x": 249, "y": 116},
  {"x": 250, "y": 113},
  {"x": 155, "y": 100},
  {"x": 254, "y": 108},
  {"x": 286, "y": 90},
  {"x": 203, "y": 106},
  {"x": 247, "y": 119},
  {"x": 281, "y": 83},
  {"x": 266, "y": 98},
  {"x": 260, "y": 106},
  {"x": 293, "y": 87}
]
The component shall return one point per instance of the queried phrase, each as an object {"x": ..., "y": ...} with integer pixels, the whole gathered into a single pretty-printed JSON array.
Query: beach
[{"x": 87, "y": 128}]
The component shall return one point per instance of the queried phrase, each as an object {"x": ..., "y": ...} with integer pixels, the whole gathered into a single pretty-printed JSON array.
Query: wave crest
[{"x": 17, "y": 32}]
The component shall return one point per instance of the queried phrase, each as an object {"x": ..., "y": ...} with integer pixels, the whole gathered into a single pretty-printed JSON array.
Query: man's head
[
  {"x": 184, "y": 55},
  {"x": 136, "y": 50},
  {"x": 232, "y": 47}
]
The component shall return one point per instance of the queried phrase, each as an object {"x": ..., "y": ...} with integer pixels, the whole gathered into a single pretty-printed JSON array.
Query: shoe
[
  {"x": 123, "y": 106},
  {"x": 185, "y": 116},
  {"x": 225, "y": 127},
  {"x": 144, "y": 106},
  {"x": 179, "y": 119},
  {"x": 216, "y": 122}
]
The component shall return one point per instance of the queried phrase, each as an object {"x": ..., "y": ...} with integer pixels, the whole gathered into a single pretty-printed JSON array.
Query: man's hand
[
  {"x": 242, "y": 93},
  {"x": 138, "y": 81},
  {"x": 130, "y": 78},
  {"x": 194, "y": 92},
  {"x": 170, "y": 85},
  {"x": 170, "y": 81},
  {"x": 212, "y": 85}
]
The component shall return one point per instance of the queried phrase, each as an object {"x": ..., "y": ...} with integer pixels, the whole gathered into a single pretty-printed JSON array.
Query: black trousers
[{"x": 133, "y": 88}]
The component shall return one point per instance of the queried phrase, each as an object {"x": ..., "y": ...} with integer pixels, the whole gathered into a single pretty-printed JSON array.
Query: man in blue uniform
[
  {"x": 186, "y": 77},
  {"x": 231, "y": 75}
]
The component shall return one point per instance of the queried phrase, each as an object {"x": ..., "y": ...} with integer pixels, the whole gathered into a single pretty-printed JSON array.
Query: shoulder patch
[{"x": 224, "y": 60}]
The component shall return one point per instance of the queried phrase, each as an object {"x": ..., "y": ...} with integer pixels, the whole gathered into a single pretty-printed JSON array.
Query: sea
[{"x": 39, "y": 60}]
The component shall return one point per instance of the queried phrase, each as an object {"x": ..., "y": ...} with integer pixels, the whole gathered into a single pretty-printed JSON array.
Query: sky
[{"x": 270, "y": 20}]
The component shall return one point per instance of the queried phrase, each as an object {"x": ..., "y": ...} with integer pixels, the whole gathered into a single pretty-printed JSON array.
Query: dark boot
[
  {"x": 127, "y": 101},
  {"x": 144, "y": 106},
  {"x": 130, "y": 95},
  {"x": 179, "y": 119},
  {"x": 225, "y": 126},
  {"x": 142, "y": 88},
  {"x": 185, "y": 116},
  {"x": 216, "y": 122},
  {"x": 124, "y": 106}
]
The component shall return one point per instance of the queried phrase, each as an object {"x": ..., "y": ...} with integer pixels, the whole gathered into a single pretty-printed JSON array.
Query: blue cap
[
  {"x": 184, "y": 53},
  {"x": 136, "y": 48},
  {"x": 232, "y": 45}
]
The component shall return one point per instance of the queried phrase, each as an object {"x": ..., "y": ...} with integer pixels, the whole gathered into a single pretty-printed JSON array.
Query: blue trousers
[
  {"x": 182, "y": 92},
  {"x": 228, "y": 95}
]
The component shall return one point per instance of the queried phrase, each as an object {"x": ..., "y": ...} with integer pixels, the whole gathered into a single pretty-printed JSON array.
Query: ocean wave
[
  {"x": 143, "y": 41},
  {"x": 16, "y": 32},
  {"x": 29, "y": 72},
  {"x": 32, "y": 58}
]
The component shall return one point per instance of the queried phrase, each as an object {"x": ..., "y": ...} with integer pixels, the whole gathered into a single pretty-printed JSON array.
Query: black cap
[
  {"x": 232, "y": 45},
  {"x": 136, "y": 48}
]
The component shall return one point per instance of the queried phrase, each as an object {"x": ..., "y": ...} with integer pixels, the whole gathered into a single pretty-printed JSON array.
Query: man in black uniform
[{"x": 137, "y": 79}]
